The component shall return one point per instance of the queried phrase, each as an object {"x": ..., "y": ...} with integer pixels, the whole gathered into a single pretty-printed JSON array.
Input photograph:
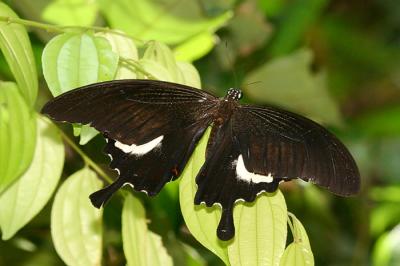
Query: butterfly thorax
[{"x": 226, "y": 107}]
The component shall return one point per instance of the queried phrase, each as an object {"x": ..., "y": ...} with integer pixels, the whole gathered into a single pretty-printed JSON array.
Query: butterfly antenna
[
  {"x": 230, "y": 62},
  {"x": 251, "y": 83}
]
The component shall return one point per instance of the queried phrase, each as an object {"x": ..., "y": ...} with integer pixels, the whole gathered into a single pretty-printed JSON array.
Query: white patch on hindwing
[
  {"x": 243, "y": 174},
  {"x": 139, "y": 149}
]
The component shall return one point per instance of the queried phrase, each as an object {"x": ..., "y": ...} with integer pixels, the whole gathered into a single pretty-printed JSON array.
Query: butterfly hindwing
[
  {"x": 288, "y": 146},
  {"x": 222, "y": 181}
]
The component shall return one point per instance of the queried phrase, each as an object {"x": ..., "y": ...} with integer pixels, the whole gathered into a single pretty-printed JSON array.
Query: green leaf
[
  {"x": 71, "y": 12},
  {"x": 302, "y": 14},
  {"x": 16, "y": 47},
  {"x": 383, "y": 216},
  {"x": 299, "y": 252},
  {"x": 17, "y": 134},
  {"x": 167, "y": 21},
  {"x": 29, "y": 194},
  {"x": 190, "y": 76},
  {"x": 261, "y": 231},
  {"x": 162, "y": 55},
  {"x": 201, "y": 221},
  {"x": 76, "y": 225},
  {"x": 141, "y": 246},
  {"x": 87, "y": 133},
  {"x": 288, "y": 82},
  {"x": 195, "y": 48},
  {"x": 125, "y": 48},
  {"x": 381, "y": 122},
  {"x": 386, "y": 193},
  {"x": 74, "y": 60},
  {"x": 387, "y": 249},
  {"x": 272, "y": 8},
  {"x": 155, "y": 69},
  {"x": 159, "y": 61}
]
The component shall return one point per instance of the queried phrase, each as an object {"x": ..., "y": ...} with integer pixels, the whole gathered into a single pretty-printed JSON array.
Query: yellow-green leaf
[
  {"x": 29, "y": 194},
  {"x": 195, "y": 48},
  {"x": 71, "y": 12},
  {"x": 190, "y": 76},
  {"x": 299, "y": 252},
  {"x": 17, "y": 134},
  {"x": 16, "y": 47},
  {"x": 387, "y": 248},
  {"x": 261, "y": 231},
  {"x": 141, "y": 246},
  {"x": 161, "y": 54},
  {"x": 155, "y": 69},
  {"x": 201, "y": 221},
  {"x": 167, "y": 21},
  {"x": 125, "y": 48},
  {"x": 76, "y": 226},
  {"x": 74, "y": 60}
]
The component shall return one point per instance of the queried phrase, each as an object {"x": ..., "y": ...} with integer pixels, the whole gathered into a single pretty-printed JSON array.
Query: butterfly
[{"x": 152, "y": 128}]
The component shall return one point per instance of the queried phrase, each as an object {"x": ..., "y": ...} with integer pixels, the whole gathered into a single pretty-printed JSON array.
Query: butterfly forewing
[{"x": 151, "y": 127}]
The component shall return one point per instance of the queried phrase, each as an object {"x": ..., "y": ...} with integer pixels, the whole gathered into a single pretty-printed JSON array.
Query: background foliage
[{"x": 336, "y": 62}]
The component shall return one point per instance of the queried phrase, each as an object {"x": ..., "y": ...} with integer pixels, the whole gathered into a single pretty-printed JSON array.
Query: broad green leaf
[
  {"x": 159, "y": 61},
  {"x": 74, "y": 60},
  {"x": 24, "y": 199},
  {"x": 125, "y": 48},
  {"x": 190, "y": 76},
  {"x": 261, "y": 231},
  {"x": 288, "y": 82},
  {"x": 162, "y": 55},
  {"x": 195, "y": 48},
  {"x": 386, "y": 251},
  {"x": 71, "y": 12},
  {"x": 201, "y": 221},
  {"x": 76, "y": 226},
  {"x": 17, "y": 134},
  {"x": 155, "y": 69},
  {"x": 141, "y": 246},
  {"x": 299, "y": 252},
  {"x": 167, "y": 21},
  {"x": 16, "y": 47}
]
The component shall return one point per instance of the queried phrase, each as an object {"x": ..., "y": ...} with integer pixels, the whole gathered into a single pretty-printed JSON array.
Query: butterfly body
[{"x": 152, "y": 128}]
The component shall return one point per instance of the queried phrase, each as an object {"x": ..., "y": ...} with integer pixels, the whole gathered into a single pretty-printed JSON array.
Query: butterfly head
[{"x": 233, "y": 94}]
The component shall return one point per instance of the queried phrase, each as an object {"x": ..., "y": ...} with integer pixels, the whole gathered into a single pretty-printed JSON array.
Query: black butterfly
[{"x": 152, "y": 128}]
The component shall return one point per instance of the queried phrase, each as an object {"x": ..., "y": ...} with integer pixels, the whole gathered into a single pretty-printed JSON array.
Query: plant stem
[
  {"x": 55, "y": 28},
  {"x": 291, "y": 216},
  {"x": 130, "y": 63},
  {"x": 86, "y": 158}
]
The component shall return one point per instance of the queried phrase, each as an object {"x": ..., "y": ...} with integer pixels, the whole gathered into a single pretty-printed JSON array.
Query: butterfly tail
[{"x": 99, "y": 198}]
